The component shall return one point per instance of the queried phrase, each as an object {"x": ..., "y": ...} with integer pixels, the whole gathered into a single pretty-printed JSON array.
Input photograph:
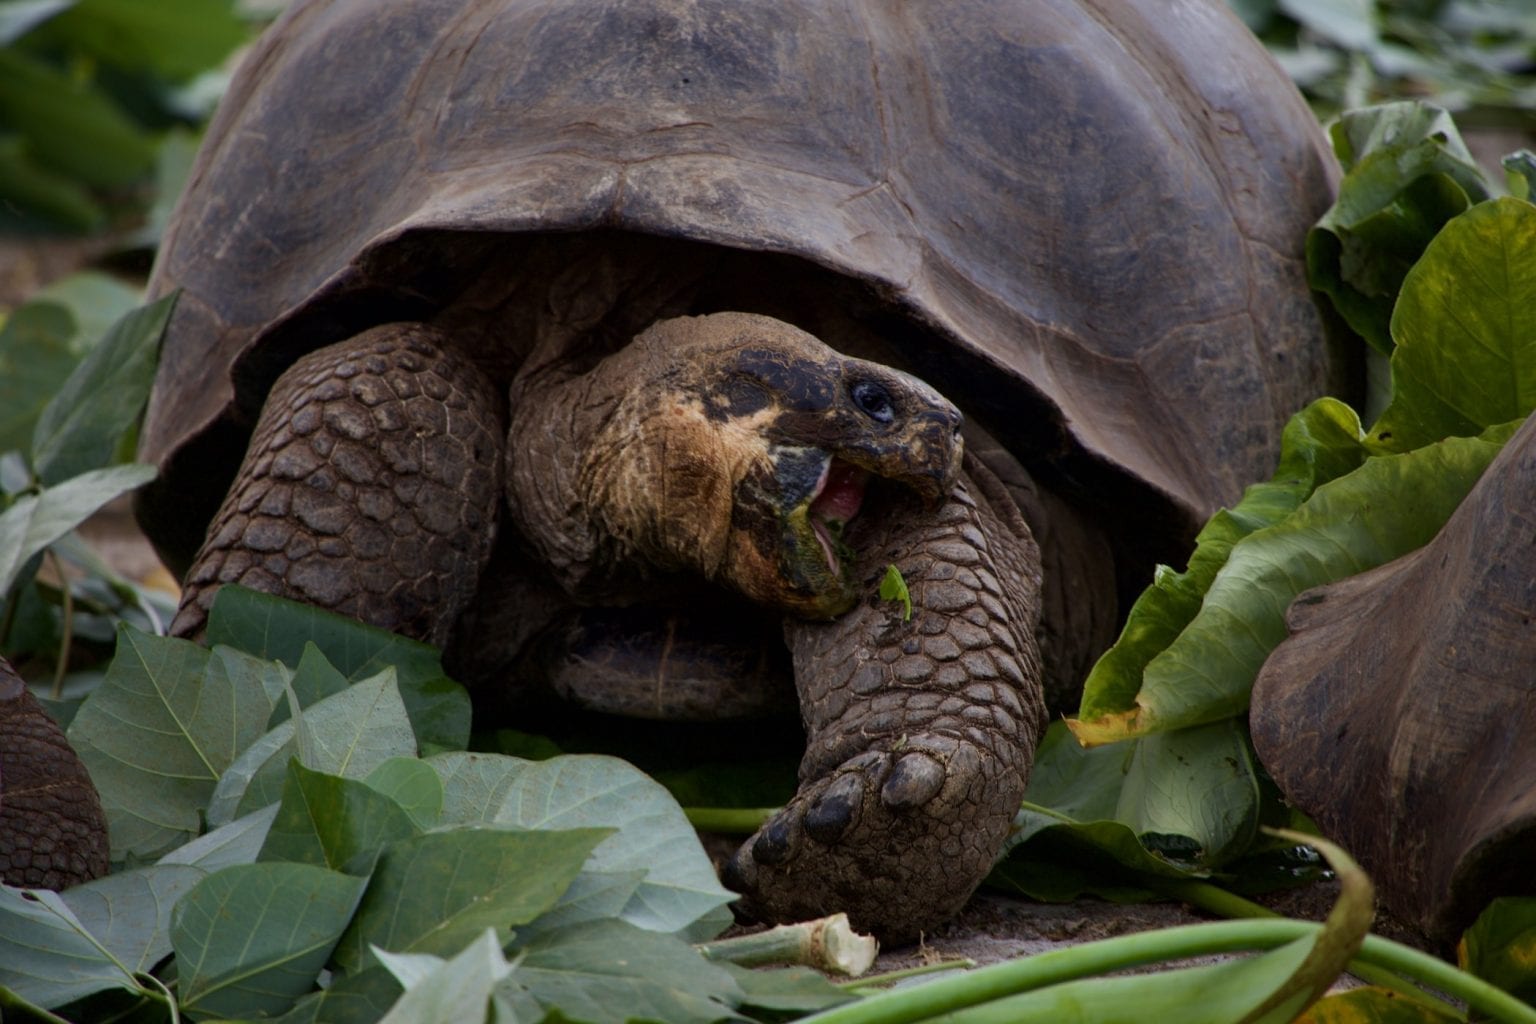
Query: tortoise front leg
[
  {"x": 370, "y": 487},
  {"x": 921, "y": 732}
]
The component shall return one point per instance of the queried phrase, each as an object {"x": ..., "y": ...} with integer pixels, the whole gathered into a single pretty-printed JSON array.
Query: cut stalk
[{"x": 828, "y": 944}]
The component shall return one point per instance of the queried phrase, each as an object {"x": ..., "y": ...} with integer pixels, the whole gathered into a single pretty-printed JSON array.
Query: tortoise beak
[{"x": 925, "y": 456}]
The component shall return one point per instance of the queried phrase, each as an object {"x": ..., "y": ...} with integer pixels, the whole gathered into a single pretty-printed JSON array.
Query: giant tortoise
[{"x": 583, "y": 339}]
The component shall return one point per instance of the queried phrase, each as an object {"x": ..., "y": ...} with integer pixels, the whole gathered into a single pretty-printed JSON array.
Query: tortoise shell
[{"x": 1085, "y": 217}]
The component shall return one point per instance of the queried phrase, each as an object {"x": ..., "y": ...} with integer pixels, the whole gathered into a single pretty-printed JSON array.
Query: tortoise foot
[{"x": 898, "y": 838}]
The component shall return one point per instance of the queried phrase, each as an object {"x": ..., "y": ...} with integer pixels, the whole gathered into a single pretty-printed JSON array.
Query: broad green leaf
[
  {"x": 251, "y": 939},
  {"x": 333, "y": 822},
  {"x": 1406, "y": 172},
  {"x": 314, "y": 679},
  {"x": 33, "y": 190},
  {"x": 237, "y": 842},
  {"x": 350, "y": 999},
  {"x": 790, "y": 990},
  {"x": 1068, "y": 817},
  {"x": 1501, "y": 946},
  {"x": 454, "y": 991},
  {"x": 609, "y": 972},
  {"x": 18, "y": 17},
  {"x": 1353, "y": 24},
  {"x": 129, "y": 913},
  {"x": 172, "y": 39},
  {"x": 71, "y": 126},
  {"x": 47, "y": 956},
  {"x": 271, "y": 627},
  {"x": 36, "y": 521},
  {"x": 96, "y": 301},
  {"x": 681, "y": 893},
  {"x": 80, "y": 427},
  {"x": 35, "y": 360},
  {"x": 1465, "y": 327},
  {"x": 413, "y": 785},
  {"x": 1319, "y": 443},
  {"x": 434, "y": 893},
  {"x": 1520, "y": 173},
  {"x": 1388, "y": 507},
  {"x": 350, "y": 733},
  {"x": 167, "y": 721},
  {"x": 474, "y": 785}
]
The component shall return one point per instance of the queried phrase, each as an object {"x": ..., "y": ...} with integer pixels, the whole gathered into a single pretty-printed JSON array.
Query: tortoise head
[{"x": 739, "y": 446}]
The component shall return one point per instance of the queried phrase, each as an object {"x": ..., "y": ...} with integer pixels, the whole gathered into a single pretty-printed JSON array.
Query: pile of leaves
[
  {"x": 1472, "y": 56},
  {"x": 1440, "y": 277}
]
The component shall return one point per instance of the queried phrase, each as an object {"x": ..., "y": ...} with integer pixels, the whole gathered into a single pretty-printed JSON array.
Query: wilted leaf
[
  {"x": 610, "y": 972},
  {"x": 1372, "y": 1005},
  {"x": 1465, "y": 327},
  {"x": 36, "y": 521},
  {"x": 166, "y": 722},
  {"x": 46, "y": 954},
  {"x": 332, "y": 822},
  {"x": 80, "y": 427},
  {"x": 251, "y": 939},
  {"x": 681, "y": 893},
  {"x": 434, "y": 893},
  {"x": 271, "y": 627}
]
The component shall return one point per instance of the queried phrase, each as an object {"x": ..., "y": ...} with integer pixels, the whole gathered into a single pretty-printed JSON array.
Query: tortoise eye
[{"x": 873, "y": 401}]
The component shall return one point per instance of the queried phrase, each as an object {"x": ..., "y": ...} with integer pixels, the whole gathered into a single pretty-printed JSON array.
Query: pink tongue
[{"x": 843, "y": 493}]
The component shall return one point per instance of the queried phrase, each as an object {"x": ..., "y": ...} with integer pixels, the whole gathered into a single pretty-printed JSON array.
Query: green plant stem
[
  {"x": 66, "y": 630},
  {"x": 1217, "y": 900},
  {"x": 741, "y": 821},
  {"x": 945, "y": 995}
]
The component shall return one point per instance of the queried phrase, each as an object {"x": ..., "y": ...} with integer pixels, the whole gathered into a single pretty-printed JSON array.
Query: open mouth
[{"x": 837, "y": 497}]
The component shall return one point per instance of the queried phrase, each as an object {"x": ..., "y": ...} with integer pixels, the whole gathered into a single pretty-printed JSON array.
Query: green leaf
[
  {"x": 1520, "y": 173},
  {"x": 609, "y": 972},
  {"x": 314, "y": 679},
  {"x": 36, "y": 521},
  {"x": 894, "y": 588},
  {"x": 1198, "y": 783},
  {"x": 414, "y": 786},
  {"x": 474, "y": 785},
  {"x": 96, "y": 300},
  {"x": 333, "y": 822},
  {"x": 79, "y": 429},
  {"x": 434, "y": 893},
  {"x": 32, "y": 189},
  {"x": 1320, "y": 443},
  {"x": 35, "y": 360},
  {"x": 167, "y": 721},
  {"x": 271, "y": 627},
  {"x": 47, "y": 955},
  {"x": 450, "y": 991},
  {"x": 1501, "y": 946},
  {"x": 251, "y": 939},
  {"x": 681, "y": 893},
  {"x": 1465, "y": 327},
  {"x": 18, "y": 17},
  {"x": 791, "y": 990},
  {"x": 350, "y": 733},
  {"x": 1206, "y": 674},
  {"x": 70, "y": 126},
  {"x": 1351, "y": 24},
  {"x": 1407, "y": 172},
  {"x": 350, "y": 999},
  {"x": 129, "y": 913},
  {"x": 238, "y": 842},
  {"x": 172, "y": 39}
]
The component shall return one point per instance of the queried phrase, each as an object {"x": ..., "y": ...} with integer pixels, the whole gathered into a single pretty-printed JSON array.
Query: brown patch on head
[{"x": 734, "y": 446}]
